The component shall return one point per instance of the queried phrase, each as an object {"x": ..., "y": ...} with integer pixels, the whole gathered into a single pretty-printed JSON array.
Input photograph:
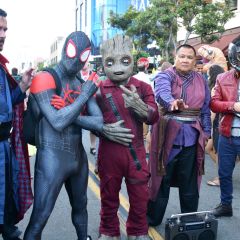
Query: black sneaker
[{"x": 223, "y": 210}]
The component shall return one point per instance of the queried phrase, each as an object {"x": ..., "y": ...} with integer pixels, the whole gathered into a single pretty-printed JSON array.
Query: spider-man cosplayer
[
  {"x": 15, "y": 183},
  {"x": 61, "y": 158},
  {"x": 124, "y": 97}
]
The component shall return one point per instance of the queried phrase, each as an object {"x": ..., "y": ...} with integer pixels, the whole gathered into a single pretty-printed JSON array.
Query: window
[
  {"x": 86, "y": 6},
  {"x": 77, "y": 17},
  {"x": 81, "y": 16},
  {"x": 233, "y": 4}
]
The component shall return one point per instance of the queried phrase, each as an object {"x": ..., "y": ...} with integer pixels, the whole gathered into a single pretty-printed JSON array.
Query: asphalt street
[{"x": 59, "y": 225}]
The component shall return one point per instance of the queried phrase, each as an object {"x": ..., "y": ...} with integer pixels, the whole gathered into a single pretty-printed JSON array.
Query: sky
[{"x": 34, "y": 24}]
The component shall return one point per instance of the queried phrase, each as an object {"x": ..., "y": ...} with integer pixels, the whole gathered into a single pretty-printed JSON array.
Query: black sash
[
  {"x": 5, "y": 130},
  {"x": 117, "y": 115}
]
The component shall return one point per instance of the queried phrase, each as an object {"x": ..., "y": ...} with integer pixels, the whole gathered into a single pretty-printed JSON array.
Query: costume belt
[
  {"x": 184, "y": 116},
  {"x": 5, "y": 130},
  {"x": 189, "y": 116}
]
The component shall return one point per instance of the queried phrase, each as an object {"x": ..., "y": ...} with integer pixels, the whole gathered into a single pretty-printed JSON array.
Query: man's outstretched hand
[
  {"x": 117, "y": 133},
  {"x": 178, "y": 104}
]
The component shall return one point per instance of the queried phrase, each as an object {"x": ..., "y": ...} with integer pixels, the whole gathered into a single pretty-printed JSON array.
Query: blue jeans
[{"x": 228, "y": 149}]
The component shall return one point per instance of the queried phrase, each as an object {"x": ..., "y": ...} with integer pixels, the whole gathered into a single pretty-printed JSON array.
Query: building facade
[
  {"x": 92, "y": 18},
  {"x": 56, "y": 50}
]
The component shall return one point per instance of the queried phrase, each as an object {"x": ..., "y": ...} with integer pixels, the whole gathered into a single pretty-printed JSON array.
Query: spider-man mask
[{"x": 75, "y": 53}]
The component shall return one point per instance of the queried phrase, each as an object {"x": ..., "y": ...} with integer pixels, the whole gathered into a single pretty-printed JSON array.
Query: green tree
[
  {"x": 128, "y": 23},
  {"x": 204, "y": 18},
  {"x": 40, "y": 66},
  {"x": 163, "y": 18}
]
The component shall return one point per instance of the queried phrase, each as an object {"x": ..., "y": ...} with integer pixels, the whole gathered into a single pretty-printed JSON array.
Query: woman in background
[{"x": 212, "y": 145}]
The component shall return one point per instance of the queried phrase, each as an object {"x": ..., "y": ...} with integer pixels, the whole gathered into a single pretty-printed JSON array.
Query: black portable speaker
[{"x": 191, "y": 226}]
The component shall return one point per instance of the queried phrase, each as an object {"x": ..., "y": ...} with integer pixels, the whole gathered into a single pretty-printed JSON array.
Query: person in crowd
[
  {"x": 226, "y": 101},
  {"x": 178, "y": 144},
  {"x": 101, "y": 73},
  {"x": 212, "y": 145},
  {"x": 164, "y": 66},
  {"x": 15, "y": 74},
  {"x": 85, "y": 73},
  {"x": 142, "y": 66},
  {"x": 212, "y": 55},
  {"x": 15, "y": 186},
  {"x": 199, "y": 66},
  {"x": 122, "y": 97}
]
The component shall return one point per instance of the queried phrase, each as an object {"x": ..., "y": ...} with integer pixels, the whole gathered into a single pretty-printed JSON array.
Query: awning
[{"x": 227, "y": 37}]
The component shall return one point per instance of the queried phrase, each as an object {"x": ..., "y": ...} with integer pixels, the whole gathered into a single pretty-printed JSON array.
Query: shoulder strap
[
  {"x": 56, "y": 79},
  {"x": 80, "y": 79}
]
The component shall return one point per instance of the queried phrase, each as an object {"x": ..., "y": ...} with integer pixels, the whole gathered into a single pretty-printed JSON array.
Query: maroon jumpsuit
[{"x": 116, "y": 161}]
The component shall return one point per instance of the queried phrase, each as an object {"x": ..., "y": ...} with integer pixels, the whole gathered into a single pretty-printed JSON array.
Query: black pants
[{"x": 183, "y": 169}]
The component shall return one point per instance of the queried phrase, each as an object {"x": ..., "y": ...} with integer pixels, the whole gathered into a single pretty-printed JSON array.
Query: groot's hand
[
  {"x": 117, "y": 133},
  {"x": 132, "y": 100}
]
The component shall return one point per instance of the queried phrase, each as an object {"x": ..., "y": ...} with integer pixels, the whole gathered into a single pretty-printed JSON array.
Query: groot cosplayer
[{"x": 130, "y": 101}]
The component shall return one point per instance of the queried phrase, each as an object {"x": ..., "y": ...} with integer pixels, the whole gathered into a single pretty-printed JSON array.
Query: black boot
[
  {"x": 8, "y": 238},
  {"x": 155, "y": 211},
  {"x": 11, "y": 233},
  {"x": 223, "y": 210}
]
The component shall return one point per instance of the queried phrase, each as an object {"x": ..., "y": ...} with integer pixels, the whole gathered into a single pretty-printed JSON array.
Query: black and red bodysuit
[{"x": 61, "y": 158}]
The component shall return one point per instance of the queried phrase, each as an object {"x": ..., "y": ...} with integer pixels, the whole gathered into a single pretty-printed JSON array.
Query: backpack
[{"x": 32, "y": 115}]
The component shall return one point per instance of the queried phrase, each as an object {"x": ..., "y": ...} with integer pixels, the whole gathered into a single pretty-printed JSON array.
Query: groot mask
[{"x": 117, "y": 58}]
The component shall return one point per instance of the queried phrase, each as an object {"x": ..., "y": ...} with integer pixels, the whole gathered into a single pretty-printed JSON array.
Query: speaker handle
[
  {"x": 189, "y": 214},
  {"x": 178, "y": 216}
]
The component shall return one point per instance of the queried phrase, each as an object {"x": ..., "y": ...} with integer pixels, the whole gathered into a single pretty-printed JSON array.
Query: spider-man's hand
[
  {"x": 58, "y": 102},
  {"x": 95, "y": 78},
  {"x": 90, "y": 87}
]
